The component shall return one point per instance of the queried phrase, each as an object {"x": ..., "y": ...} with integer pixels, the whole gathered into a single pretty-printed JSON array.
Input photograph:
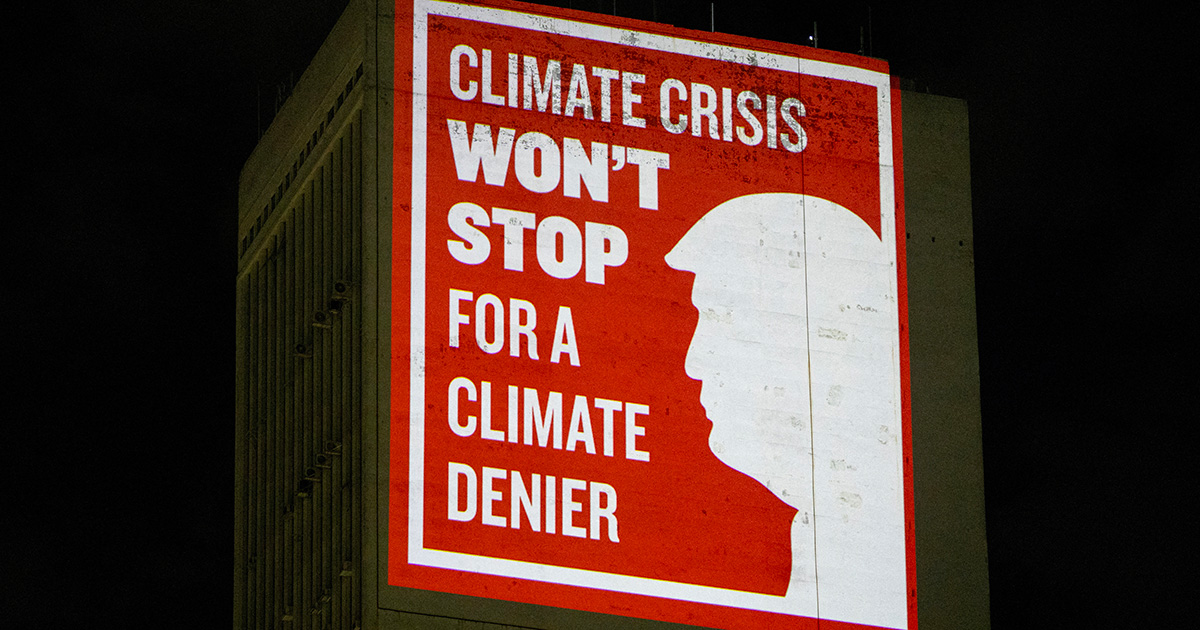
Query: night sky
[{"x": 135, "y": 117}]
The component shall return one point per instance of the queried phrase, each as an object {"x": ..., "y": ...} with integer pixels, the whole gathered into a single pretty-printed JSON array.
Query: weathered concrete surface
[{"x": 952, "y": 578}]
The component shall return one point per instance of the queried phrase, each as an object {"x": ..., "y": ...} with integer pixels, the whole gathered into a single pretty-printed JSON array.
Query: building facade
[{"x": 317, "y": 487}]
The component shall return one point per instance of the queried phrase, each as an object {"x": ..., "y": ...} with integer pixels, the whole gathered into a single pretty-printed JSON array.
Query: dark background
[{"x": 134, "y": 117}]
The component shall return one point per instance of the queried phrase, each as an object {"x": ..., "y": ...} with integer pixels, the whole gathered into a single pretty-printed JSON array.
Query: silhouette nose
[
  {"x": 689, "y": 362},
  {"x": 694, "y": 364}
]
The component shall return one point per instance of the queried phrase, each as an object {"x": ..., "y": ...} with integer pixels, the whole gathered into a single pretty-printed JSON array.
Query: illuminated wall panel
[{"x": 646, "y": 327}]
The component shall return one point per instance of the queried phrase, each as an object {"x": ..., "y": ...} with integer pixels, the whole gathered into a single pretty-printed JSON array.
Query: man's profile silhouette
[{"x": 795, "y": 348}]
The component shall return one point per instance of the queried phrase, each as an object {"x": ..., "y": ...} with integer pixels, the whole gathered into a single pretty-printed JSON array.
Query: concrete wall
[
  {"x": 947, "y": 451},
  {"x": 952, "y": 579}
]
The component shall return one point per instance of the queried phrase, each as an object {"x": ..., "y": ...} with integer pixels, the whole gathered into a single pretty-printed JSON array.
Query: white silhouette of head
[
  {"x": 796, "y": 349},
  {"x": 751, "y": 349}
]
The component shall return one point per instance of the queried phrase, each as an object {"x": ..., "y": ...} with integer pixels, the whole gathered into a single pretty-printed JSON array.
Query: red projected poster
[{"x": 647, "y": 322}]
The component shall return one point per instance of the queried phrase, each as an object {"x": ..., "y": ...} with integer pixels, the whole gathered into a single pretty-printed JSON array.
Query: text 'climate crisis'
[{"x": 526, "y": 82}]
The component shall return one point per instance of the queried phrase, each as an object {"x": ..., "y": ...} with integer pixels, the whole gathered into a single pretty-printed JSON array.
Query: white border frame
[{"x": 417, "y": 553}]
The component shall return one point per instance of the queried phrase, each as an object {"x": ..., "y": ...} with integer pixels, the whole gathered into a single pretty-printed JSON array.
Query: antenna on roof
[
  {"x": 870, "y": 34},
  {"x": 712, "y": 17}
]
